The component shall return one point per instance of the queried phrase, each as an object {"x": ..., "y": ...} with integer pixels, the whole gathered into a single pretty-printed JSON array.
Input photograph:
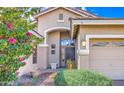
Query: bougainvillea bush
[{"x": 16, "y": 40}]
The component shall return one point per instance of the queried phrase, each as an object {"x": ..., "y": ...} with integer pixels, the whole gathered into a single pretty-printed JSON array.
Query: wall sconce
[{"x": 83, "y": 43}]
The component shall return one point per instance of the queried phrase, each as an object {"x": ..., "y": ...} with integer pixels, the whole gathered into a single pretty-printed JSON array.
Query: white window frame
[{"x": 59, "y": 18}]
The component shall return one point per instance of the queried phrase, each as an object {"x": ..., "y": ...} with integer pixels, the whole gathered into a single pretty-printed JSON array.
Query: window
[
  {"x": 35, "y": 56},
  {"x": 61, "y": 17},
  {"x": 66, "y": 42},
  {"x": 100, "y": 44},
  {"x": 52, "y": 51},
  {"x": 118, "y": 43},
  {"x": 53, "y": 46}
]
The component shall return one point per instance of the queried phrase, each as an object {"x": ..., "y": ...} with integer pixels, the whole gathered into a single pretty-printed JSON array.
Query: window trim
[
  {"x": 60, "y": 21},
  {"x": 61, "y": 18}
]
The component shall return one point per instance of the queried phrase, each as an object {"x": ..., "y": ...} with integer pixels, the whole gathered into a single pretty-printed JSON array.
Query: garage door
[{"x": 108, "y": 60}]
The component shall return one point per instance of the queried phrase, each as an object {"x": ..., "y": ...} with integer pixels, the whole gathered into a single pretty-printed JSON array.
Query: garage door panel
[
  {"x": 107, "y": 56},
  {"x": 109, "y": 73},
  {"x": 108, "y": 53},
  {"x": 92, "y": 56},
  {"x": 107, "y": 67},
  {"x": 108, "y": 61},
  {"x": 114, "y": 69},
  {"x": 115, "y": 76}
]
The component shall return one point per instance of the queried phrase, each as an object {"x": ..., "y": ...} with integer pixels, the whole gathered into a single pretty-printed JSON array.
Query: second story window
[{"x": 61, "y": 17}]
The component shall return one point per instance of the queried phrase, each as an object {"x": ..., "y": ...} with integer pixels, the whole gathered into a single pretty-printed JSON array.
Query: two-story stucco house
[{"x": 72, "y": 33}]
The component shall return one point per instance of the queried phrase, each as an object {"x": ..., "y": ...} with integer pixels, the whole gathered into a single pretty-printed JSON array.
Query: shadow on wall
[{"x": 29, "y": 67}]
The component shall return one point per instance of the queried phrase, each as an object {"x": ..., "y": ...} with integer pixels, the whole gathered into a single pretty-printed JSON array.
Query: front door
[
  {"x": 67, "y": 50},
  {"x": 70, "y": 53},
  {"x": 66, "y": 53}
]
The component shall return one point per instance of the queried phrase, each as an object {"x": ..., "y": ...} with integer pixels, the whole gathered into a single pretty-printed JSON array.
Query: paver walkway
[
  {"x": 47, "y": 77},
  {"x": 49, "y": 80}
]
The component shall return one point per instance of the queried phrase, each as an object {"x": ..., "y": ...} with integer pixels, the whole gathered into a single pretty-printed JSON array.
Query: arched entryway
[{"x": 60, "y": 47}]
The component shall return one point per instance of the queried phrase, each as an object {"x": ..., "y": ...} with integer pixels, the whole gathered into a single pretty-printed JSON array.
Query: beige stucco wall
[
  {"x": 96, "y": 30},
  {"x": 29, "y": 67},
  {"x": 50, "y": 20},
  {"x": 41, "y": 61},
  {"x": 42, "y": 57},
  {"x": 54, "y": 38},
  {"x": 65, "y": 35}
]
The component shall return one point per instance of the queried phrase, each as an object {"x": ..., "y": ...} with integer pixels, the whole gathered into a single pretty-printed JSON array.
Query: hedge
[{"x": 81, "y": 78}]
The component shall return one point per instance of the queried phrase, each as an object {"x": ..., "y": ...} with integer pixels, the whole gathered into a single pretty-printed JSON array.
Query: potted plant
[{"x": 70, "y": 64}]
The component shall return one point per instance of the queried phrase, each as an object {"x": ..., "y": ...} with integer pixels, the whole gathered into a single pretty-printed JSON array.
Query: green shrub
[{"x": 81, "y": 78}]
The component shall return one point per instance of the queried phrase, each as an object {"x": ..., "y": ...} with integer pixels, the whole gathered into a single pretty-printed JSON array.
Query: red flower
[
  {"x": 12, "y": 40},
  {"x": 28, "y": 33},
  {"x": 9, "y": 26},
  {"x": 20, "y": 59}
]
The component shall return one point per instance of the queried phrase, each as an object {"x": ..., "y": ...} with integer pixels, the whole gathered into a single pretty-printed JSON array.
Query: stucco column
[
  {"x": 84, "y": 61},
  {"x": 83, "y": 53},
  {"x": 42, "y": 56}
]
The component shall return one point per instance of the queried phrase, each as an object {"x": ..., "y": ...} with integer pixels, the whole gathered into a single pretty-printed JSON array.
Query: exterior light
[{"x": 83, "y": 43}]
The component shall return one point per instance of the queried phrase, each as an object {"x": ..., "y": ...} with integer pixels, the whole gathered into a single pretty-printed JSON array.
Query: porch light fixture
[{"x": 83, "y": 43}]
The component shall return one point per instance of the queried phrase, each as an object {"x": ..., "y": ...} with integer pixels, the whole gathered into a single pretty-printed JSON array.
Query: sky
[{"x": 107, "y": 12}]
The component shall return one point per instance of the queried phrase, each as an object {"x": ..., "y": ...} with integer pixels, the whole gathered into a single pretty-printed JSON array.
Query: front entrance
[
  {"x": 67, "y": 49},
  {"x": 67, "y": 52},
  {"x": 60, "y": 49}
]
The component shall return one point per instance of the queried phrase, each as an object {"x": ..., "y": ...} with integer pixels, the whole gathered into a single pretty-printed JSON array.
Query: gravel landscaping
[{"x": 44, "y": 79}]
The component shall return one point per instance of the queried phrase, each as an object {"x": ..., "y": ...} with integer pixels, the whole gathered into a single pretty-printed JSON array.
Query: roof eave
[
  {"x": 68, "y": 8},
  {"x": 82, "y": 21},
  {"x": 36, "y": 34}
]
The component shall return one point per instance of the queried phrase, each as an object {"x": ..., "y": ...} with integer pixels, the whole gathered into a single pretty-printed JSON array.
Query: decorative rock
[{"x": 24, "y": 80}]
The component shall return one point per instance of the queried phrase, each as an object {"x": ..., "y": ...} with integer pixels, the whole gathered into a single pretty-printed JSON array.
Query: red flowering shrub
[
  {"x": 16, "y": 41},
  {"x": 20, "y": 59},
  {"x": 28, "y": 33},
  {"x": 12, "y": 40},
  {"x": 9, "y": 26}
]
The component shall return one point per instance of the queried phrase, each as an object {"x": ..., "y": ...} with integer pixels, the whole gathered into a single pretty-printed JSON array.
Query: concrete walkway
[
  {"x": 49, "y": 81},
  {"x": 47, "y": 77}
]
